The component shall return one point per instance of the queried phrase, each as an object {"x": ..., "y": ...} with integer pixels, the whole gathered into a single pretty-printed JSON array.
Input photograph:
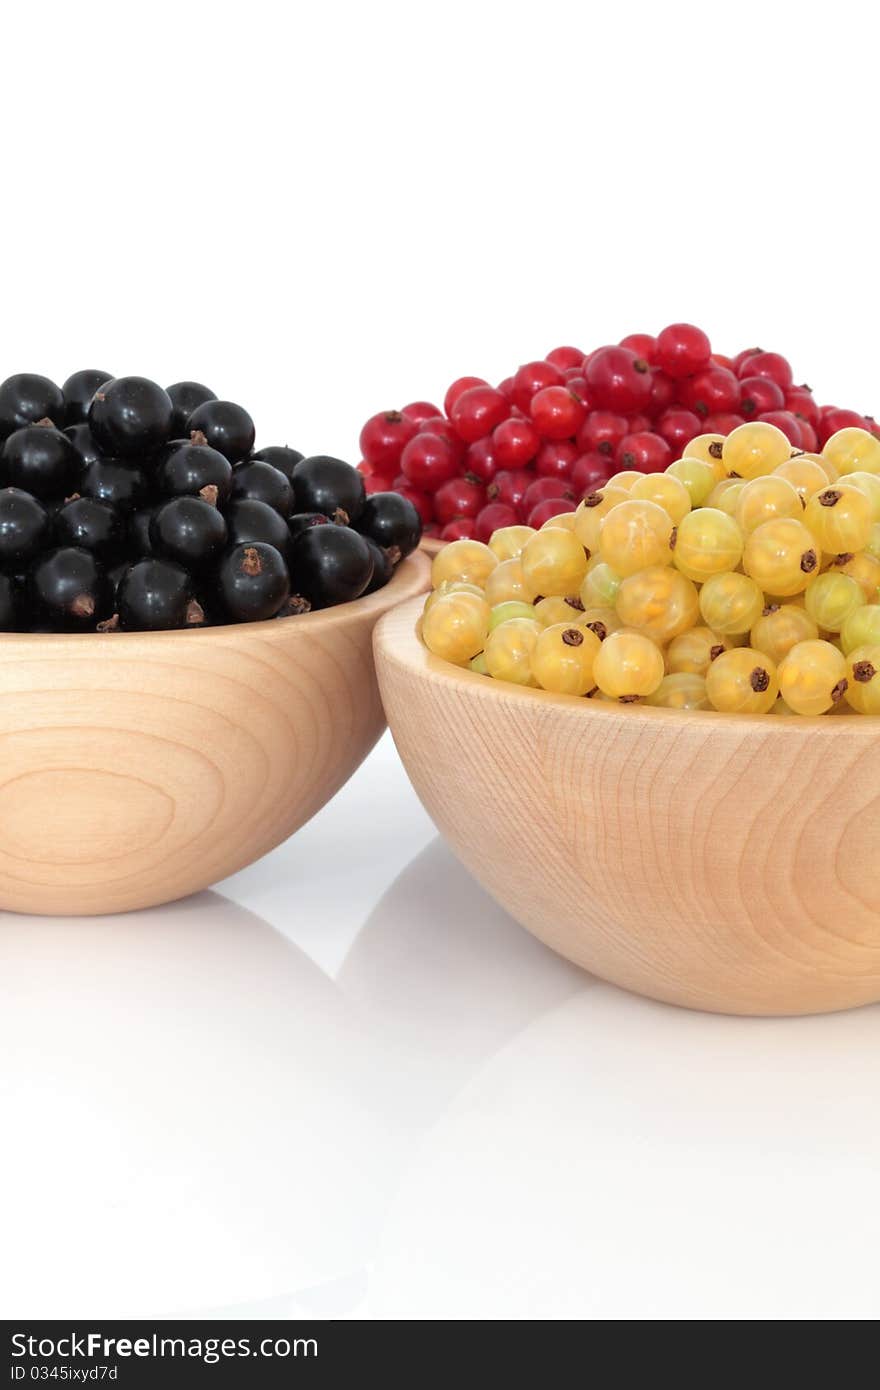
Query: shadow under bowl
[
  {"x": 722, "y": 862},
  {"x": 136, "y": 768}
]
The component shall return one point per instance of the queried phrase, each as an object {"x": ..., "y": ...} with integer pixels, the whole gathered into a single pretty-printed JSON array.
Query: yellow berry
[
  {"x": 470, "y": 561},
  {"x": 509, "y": 650},
  {"x": 659, "y": 602},
  {"x": 553, "y": 562},
  {"x": 508, "y": 541},
  {"x": 731, "y": 603},
  {"x": 506, "y": 583},
  {"x": 864, "y": 568},
  {"x": 680, "y": 690},
  {"x": 869, "y": 484},
  {"x": 668, "y": 492},
  {"x": 724, "y": 495},
  {"x": 709, "y": 449},
  {"x": 626, "y": 478},
  {"x": 601, "y": 620},
  {"x": 863, "y": 679},
  {"x": 696, "y": 475},
  {"x": 478, "y": 664},
  {"x": 562, "y": 659},
  {"x": 831, "y": 598},
  {"x": 805, "y": 475},
  {"x": 600, "y": 586},
  {"x": 554, "y": 610},
  {"x": 853, "y": 450},
  {"x": 812, "y": 677},
  {"x": 452, "y": 586},
  {"x": 781, "y": 556},
  {"x": 780, "y": 627},
  {"x": 628, "y": 666},
  {"x": 742, "y": 681},
  {"x": 765, "y": 499},
  {"x": 840, "y": 518},
  {"x": 692, "y": 652},
  {"x": 707, "y": 542},
  {"x": 565, "y": 520},
  {"x": 634, "y": 535},
  {"x": 503, "y": 612},
  {"x": 753, "y": 449},
  {"x": 455, "y": 627},
  {"x": 589, "y": 514},
  {"x": 861, "y": 628}
]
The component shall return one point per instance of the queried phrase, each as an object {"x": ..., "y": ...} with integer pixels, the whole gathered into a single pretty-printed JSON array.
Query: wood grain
[
  {"x": 729, "y": 863},
  {"x": 136, "y": 768}
]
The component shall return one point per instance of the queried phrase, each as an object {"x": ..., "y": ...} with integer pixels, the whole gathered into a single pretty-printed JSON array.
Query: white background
[{"x": 396, "y": 1103}]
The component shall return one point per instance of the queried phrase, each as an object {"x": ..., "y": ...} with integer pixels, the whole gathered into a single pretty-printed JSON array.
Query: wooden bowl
[
  {"x": 723, "y": 862},
  {"x": 136, "y": 768},
  {"x": 431, "y": 545}
]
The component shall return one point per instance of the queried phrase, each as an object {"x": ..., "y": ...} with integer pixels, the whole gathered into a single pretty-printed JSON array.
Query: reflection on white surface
[{"x": 198, "y": 1118}]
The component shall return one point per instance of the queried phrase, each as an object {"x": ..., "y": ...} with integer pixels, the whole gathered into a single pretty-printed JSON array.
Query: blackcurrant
[
  {"x": 70, "y": 588},
  {"x": 156, "y": 594},
  {"x": 301, "y": 521},
  {"x": 392, "y": 522},
  {"x": 24, "y": 528},
  {"x": 26, "y": 398},
  {"x": 188, "y": 469},
  {"x": 250, "y": 521},
  {"x": 131, "y": 417},
  {"x": 265, "y": 483},
  {"x": 42, "y": 460},
  {"x": 330, "y": 564},
  {"x": 186, "y": 396},
  {"x": 84, "y": 442},
  {"x": 280, "y": 457},
  {"x": 9, "y": 603},
  {"x": 324, "y": 484},
  {"x": 188, "y": 530},
  {"x": 226, "y": 426},
  {"x": 253, "y": 582},
  {"x": 91, "y": 525},
  {"x": 120, "y": 484},
  {"x": 78, "y": 391},
  {"x": 383, "y": 566},
  {"x": 139, "y": 543}
]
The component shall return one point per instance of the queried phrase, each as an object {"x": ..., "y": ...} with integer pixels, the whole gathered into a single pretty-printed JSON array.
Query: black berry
[
  {"x": 264, "y": 483},
  {"x": 91, "y": 525},
  {"x": 330, "y": 564},
  {"x": 186, "y": 396},
  {"x": 301, "y": 521},
  {"x": 391, "y": 521},
  {"x": 26, "y": 398},
  {"x": 84, "y": 442},
  {"x": 120, "y": 484},
  {"x": 188, "y": 530},
  {"x": 250, "y": 521},
  {"x": 24, "y": 528},
  {"x": 253, "y": 582},
  {"x": 42, "y": 460},
  {"x": 70, "y": 588},
  {"x": 226, "y": 426},
  {"x": 131, "y": 417},
  {"x": 188, "y": 469},
  {"x": 383, "y": 566},
  {"x": 328, "y": 485},
  {"x": 9, "y": 603},
  {"x": 156, "y": 594},
  {"x": 280, "y": 457},
  {"x": 78, "y": 391}
]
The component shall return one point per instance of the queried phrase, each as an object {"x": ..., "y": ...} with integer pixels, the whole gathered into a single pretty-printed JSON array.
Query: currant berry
[
  {"x": 563, "y": 657},
  {"x": 566, "y": 358},
  {"x": 840, "y": 518},
  {"x": 507, "y": 541},
  {"x": 853, "y": 451},
  {"x": 120, "y": 485},
  {"x": 508, "y": 651},
  {"x": 683, "y": 690},
  {"x": 459, "y": 499},
  {"x": 25, "y": 399},
  {"x": 253, "y": 581},
  {"x": 781, "y": 556},
  {"x": 693, "y": 651},
  {"x": 130, "y": 417},
  {"x": 711, "y": 391},
  {"x": 226, "y": 426},
  {"x": 635, "y": 535},
  {"x": 659, "y": 602},
  {"x": 78, "y": 391},
  {"x": 557, "y": 413},
  {"x": 515, "y": 443},
  {"x": 70, "y": 589},
  {"x": 766, "y": 499},
  {"x": 506, "y": 584},
  {"x": 457, "y": 389},
  {"x": 772, "y": 365},
  {"x": 619, "y": 380},
  {"x": 188, "y": 530},
  {"x": 249, "y": 522},
  {"x": 707, "y": 542},
  {"x": 832, "y": 598},
  {"x": 531, "y": 378},
  {"x": 758, "y": 395},
  {"x": 813, "y": 677},
  {"x": 494, "y": 517},
  {"x": 194, "y": 470},
  {"x": 392, "y": 522},
  {"x": 420, "y": 411},
  {"x": 264, "y": 483},
  {"x": 601, "y": 432},
  {"x": 754, "y": 449},
  {"x": 186, "y": 397},
  {"x": 90, "y": 525},
  {"x": 478, "y": 411},
  {"x": 509, "y": 486},
  {"x": 678, "y": 427},
  {"x": 384, "y": 437},
  {"x": 280, "y": 456},
  {"x": 742, "y": 681},
  {"x": 628, "y": 666},
  {"x": 645, "y": 451},
  {"x": 455, "y": 627},
  {"x": 780, "y": 627},
  {"x": 41, "y": 460},
  {"x": 325, "y": 484},
  {"x": 24, "y": 529},
  {"x": 428, "y": 461},
  {"x": 682, "y": 350},
  {"x": 731, "y": 603},
  {"x": 557, "y": 459},
  {"x": 863, "y": 679},
  {"x": 553, "y": 562},
  {"x": 789, "y": 425}
]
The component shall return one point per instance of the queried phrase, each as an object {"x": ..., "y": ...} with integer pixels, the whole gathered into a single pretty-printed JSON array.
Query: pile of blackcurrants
[{"x": 126, "y": 506}]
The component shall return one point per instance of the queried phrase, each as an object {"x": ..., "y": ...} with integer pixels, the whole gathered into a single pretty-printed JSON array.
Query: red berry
[
  {"x": 682, "y": 350},
  {"x": 722, "y": 423},
  {"x": 420, "y": 411},
  {"x": 493, "y": 517},
  {"x": 557, "y": 413},
  {"x": 619, "y": 380},
  {"x": 832, "y": 418},
  {"x": 462, "y": 529},
  {"x": 769, "y": 364},
  {"x": 709, "y": 392},
  {"x": 458, "y": 388},
  {"x": 739, "y": 362},
  {"x": 542, "y": 490},
  {"x": 799, "y": 400},
  {"x": 788, "y": 423},
  {"x": 420, "y": 500},
  {"x": 532, "y": 377},
  {"x": 662, "y": 391},
  {"x": 506, "y": 387},
  {"x": 577, "y": 382},
  {"x": 647, "y": 452},
  {"x": 477, "y": 411},
  {"x": 757, "y": 395},
  {"x": 809, "y": 437},
  {"x": 636, "y": 423},
  {"x": 678, "y": 427},
  {"x": 509, "y": 486},
  {"x": 438, "y": 424},
  {"x": 376, "y": 482},
  {"x": 601, "y": 432},
  {"x": 481, "y": 461},
  {"x": 384, "y": 436},
  {"x": 430, "y": 528},
  {"x": 642, "y": 344},
  {"x": 719, "y": 360},
  {"x": 515, "y": 443},
  {"x": 428, "y": 461},
  {"x": 591, "y": 471},
  {"x": 550, "y": 507},
  {"x": 459, "y": 497},
  {"x": 566, "y": 357},
  {"x": 556, "y": 459},
  {"x": 872, "y": 425}
]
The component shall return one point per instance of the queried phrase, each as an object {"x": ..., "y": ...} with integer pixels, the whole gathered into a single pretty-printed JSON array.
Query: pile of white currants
[{"x": 745, "y": 578}]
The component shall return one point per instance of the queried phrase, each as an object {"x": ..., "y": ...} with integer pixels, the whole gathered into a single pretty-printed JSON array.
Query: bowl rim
[
  {"x": 397, "y": 642},
  {"x": 410, "y": 578}
]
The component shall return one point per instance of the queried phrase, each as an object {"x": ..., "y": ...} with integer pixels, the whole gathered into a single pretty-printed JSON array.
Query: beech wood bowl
[
  {"x": 136, "y": 768},
  {"x": 431, "y": 545},
  {"x": 723, "y": 862}
]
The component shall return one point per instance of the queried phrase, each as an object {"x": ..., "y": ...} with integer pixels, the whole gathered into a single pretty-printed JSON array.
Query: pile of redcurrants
[
  {"x": 126, "y": 506},
  {"x": 561, "y": 426},
  {"x": 744, "y": 578}
]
